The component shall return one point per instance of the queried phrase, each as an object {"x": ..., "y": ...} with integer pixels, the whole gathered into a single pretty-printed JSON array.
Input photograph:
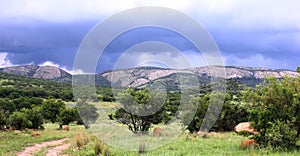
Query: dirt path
[
  {"x": 56, "y": 150},
  {"x": 29, "y": 151}
]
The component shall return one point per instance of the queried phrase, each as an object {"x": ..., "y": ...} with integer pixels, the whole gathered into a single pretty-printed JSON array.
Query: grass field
[
  {"x": 186, "y": 144},
  {"x": 11, "y": 142}
]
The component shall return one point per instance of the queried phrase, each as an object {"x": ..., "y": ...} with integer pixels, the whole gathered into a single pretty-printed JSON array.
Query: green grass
[
  {"x": 11, "y": 143},
  {"x": 187, "y": 144},
  {"x": 221, "y": 144}
]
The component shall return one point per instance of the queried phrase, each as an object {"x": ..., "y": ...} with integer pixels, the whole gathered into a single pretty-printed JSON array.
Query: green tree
[
  {"x": 51, "y": 109},
  {"x": 298, "y": 69},
  {"x": 68, "y": 115},
  {"x": 275, "y": 110},
  {"x": 22, "y": 102},
  {"x": 6, "y": 105},
  {"x": 136, "y": 105}
]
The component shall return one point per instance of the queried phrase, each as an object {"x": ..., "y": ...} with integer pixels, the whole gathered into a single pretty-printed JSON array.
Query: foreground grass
[
  {"x": 186, "y": 144},
  {"x": 11, "y": 142},
  {"x": 221, "y": 144}
]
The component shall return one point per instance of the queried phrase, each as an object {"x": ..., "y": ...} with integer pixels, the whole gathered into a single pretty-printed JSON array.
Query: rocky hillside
[
  {"x": 142, "y": 76},
  {"x": 145, "y": 75},
  {"x": 42, "y": 72}
]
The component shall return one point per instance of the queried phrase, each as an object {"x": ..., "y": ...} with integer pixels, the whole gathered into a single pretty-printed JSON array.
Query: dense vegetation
[
  {"x": 28, "y": 102},
  {"x": 275, "y": 110}
]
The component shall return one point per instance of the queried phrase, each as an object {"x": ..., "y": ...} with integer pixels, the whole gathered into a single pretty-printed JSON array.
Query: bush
[
  {"x": 100, "y": 148},
  {"x": 3, "y": 120},
  {"x": 275, "y": 110},
  {"x": 230, "y": 115},
  {"x": 26, "y": 118},
  {"x": 35, "y": 116},
  {"x": 18, "y": 120},
  {"x": 81, "y": 140},
  {"x": 6, "y": 105}
]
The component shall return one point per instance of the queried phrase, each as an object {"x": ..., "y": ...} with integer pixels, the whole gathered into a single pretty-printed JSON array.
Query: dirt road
[{"x": 56, "y": 147}]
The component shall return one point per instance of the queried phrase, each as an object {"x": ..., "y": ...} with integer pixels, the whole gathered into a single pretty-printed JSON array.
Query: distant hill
[
  {"x": 41, "y": 72},
  {"x": 142, "y": 76},
  {"x": 145, "y": 75}
]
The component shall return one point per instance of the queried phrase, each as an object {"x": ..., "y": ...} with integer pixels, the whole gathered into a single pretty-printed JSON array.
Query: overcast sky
[{"x": 248, "y": 33}]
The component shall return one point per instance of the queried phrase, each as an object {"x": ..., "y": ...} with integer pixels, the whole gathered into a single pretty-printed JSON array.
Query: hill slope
[
  {"x": 145, "y": 75},
  {"x": 141, "y": 76},
  {"x": 41, "y": 72}
]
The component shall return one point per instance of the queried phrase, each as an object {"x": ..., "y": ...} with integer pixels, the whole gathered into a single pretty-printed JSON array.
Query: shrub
[
  {"x": 101, "y": 148},
  {"x": 26, "y": 118},
  {"x": 275, "y": 110},
  {"x": 18, "y": 120},
  {"x": 3, "y": 120},
  {"x": 78, "y": 142},
  {"x": 81, "y": 140},
  {"x": 35, "y": 116}
]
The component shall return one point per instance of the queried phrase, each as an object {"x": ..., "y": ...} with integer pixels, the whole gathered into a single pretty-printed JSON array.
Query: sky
[{"x": 248, "y": 33}]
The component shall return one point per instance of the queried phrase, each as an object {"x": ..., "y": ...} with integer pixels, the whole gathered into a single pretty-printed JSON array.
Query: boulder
[
  {"x": 248, "y": 143},
  {"x": 36, "y": 135},
  {"x": 206, "y": 134},
  {"x": 201, "y": 133},
  {"x": 158, "y": 132},
  {"x": 66, "y": 128},
  {"x": 245, "y": 126}
]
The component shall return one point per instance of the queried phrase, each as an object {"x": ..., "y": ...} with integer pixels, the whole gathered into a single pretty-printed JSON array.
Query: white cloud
[
  {"x": 50, "y": 63},
  {"x": 246, "y": 13},
  {"x": 166, "y": 59},
  {"x": 159, "y": 54},
  {"x": 256, "y": 60},
  {"x": 62, "y": 10},
  {"x": 4, "y": 62}
]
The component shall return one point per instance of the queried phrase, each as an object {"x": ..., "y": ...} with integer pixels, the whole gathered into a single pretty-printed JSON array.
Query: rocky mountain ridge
[
  {"x": 41, "y": 72},
  {"x": 144, "y": 75}
]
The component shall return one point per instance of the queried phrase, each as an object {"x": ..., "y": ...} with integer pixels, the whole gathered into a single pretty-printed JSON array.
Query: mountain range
[{"x": 141, "y": 76}]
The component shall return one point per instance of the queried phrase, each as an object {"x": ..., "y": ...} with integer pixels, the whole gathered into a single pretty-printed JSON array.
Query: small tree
[
  {"x": 298, "y": 69},
  {"x": 51, "y": 109},
  {"x": 132, "y": 114},
  {"x": 68, "y": 115}
]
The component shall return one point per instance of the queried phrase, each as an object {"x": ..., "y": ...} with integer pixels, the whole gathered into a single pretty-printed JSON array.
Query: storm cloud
[{"x": 248, "y": 33}]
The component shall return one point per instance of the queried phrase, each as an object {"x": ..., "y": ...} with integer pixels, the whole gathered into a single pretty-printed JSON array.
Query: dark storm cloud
[
  {"x": 249, "y": 32},
  {"x": 40, "y": 41},
  {"x": 128, "y": 39}
]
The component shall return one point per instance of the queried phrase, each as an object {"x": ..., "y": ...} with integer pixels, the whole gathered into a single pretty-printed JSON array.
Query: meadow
[
  {"x": 82, "y": 142},
  {"x": 227, "y": 143}
]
